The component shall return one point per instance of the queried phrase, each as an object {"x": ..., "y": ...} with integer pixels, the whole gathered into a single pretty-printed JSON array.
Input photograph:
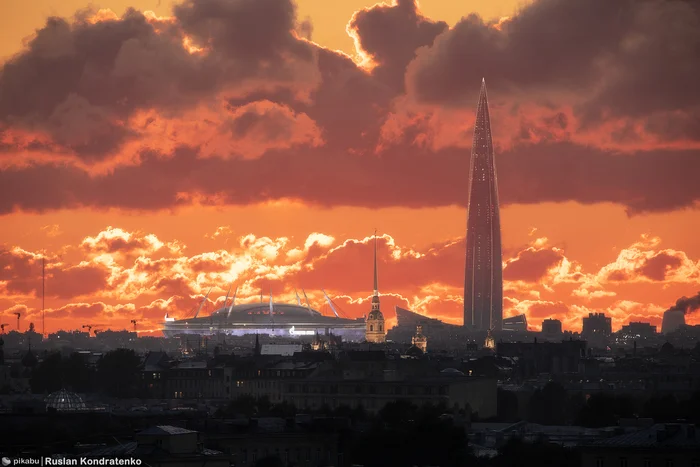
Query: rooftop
[
  {"x": 661, "y": 435},
  {"x": 166, "y": 430}
]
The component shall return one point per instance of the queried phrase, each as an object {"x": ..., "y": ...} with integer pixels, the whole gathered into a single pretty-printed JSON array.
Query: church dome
[
  {"x": 667, "y": 348},
  {"x": 414, "y": 351},
  {"x": 65, "y": 401},
  {"x": 375, "y": 315}
]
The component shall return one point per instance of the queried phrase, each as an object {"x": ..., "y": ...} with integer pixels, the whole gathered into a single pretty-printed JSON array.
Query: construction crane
[
  {"x": 18, "y": 314},
  {"x": 133, "y": 321},
  {"x": 90, "y": 326},
  {"x": 2, "y": 326}
]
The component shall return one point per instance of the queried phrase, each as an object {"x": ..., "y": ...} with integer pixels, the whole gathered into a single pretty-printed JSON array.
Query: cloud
[
  {"x": 115, "y": 240},
  {"x": 547, "y": 52},
  {"x": 643, "y": 262},
  {"x": 532, "y": 264},
  {"x": 136, "y": 275},
  {"x": 687, "y": 304},
  {"x": 147, "y": 102},
  {"x": 105, "y": 69},
  {"x": 552, "y": 172},
  {"x": 387, "y": 36}
]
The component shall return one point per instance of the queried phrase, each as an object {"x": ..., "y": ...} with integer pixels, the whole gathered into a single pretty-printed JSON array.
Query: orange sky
[{"x": 152, "y": 156}]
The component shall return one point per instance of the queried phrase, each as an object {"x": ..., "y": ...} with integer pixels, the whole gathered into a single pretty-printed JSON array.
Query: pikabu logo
[{"x": 6, "y": 461}]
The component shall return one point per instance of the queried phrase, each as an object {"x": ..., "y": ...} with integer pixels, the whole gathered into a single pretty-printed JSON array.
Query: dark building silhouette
[
  {"x": 544, "y": 357},
  {"x": 636, "y": 329},
  {"x": 596, "y": 324},
  {"x": 515, "y": 323},
  {"x": 551, "y": 327},
  {"x": 483, "y": 282}
]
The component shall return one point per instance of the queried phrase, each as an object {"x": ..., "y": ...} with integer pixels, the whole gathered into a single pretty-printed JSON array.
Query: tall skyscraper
[{"x": 483, "y": 281}]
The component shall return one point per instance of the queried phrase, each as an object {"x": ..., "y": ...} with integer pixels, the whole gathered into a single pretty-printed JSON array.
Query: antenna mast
[
  {"x": 233, "y": 301},
  {"x": 308, "y": 306},
  {"x": 330, "y": 303},
  {"x": 202, "y": 304},
  {"x": 43, "y": 297}
]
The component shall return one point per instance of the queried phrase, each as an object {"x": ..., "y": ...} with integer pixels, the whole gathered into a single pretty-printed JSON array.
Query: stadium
[{"x": 273, "y": 319}]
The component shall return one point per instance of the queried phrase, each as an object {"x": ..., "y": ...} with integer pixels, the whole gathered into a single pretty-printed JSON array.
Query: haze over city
[{"x": 152, "y": 153}]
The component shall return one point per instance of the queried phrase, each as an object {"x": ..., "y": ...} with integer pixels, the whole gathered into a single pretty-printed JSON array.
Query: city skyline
[
  {"x": 483, "y": 278},
  {"x": 152, "y": 156}
]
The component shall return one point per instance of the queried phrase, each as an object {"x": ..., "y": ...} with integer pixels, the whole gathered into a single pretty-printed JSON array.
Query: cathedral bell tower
[{"x": 375, "y": 331}]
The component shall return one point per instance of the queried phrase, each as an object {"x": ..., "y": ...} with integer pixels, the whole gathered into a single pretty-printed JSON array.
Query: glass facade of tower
[{"x": 483, "y": 282}]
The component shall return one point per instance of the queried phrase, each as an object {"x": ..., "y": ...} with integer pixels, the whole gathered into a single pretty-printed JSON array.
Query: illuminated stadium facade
[{"x": 274, "y": 319}]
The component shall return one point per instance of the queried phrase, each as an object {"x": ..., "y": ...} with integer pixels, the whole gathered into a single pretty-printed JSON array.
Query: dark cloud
[
  {"x": 623, "y": 58},
  {"x": 441, "y": 264},
  {"x": 80, "y": 80},
  {"x": 656, "y": 267},
  {"x": 543, "y": 310},
  {"x": 21, "y": 273},
  {"x": 102, "y": 73},
  {"x": 531, "y": 265},
  {"x": 650, "y": 181},
  {"x": 391, "y": 34},
  {"x": 686, "y": 304}
]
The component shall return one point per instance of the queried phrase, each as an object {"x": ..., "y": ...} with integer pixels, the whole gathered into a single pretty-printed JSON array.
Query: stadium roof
[{"x": 259, "y": 313}]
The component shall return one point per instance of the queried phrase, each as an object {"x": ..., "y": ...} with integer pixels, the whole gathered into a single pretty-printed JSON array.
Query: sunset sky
[{"x": 153, "y": 150}]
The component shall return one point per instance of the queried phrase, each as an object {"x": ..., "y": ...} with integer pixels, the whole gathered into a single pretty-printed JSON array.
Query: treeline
[
  {"x": 554, "y": 405},
  {"x": 116, "y": 374},
  {"x": 403, "y": 434}
]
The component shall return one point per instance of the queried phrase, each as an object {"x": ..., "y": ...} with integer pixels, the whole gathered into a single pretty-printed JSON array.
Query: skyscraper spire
[{"x": 483, "y": 282}]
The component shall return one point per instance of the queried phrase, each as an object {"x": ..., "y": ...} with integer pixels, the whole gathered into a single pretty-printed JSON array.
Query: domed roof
[
  {"x": 286, "y": 308},
  {"x": 259, "y": 313},
  {"x": 376, "y": 315},
  {"x": 65, "y": 401},
  {"x": 414, "y": 351}
]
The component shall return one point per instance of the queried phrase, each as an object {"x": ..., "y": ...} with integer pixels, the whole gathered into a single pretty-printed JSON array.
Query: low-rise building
[
  {"x": 459, "y": 393},
  {"x": 162, "y": 446},
  {"x": 661, "y": 445}
]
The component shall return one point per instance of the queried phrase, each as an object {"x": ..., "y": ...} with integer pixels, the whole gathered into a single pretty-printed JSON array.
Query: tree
[
  {"x": 603, "y": 410},
  {"x": 47, "y": 376},
  {"x": 549, "y": 405},
  {"x": 245, "y": 405},
  {"x": 662, "y": 408},
  {"x": 118, "y": 373},
  {"x": 271, "y": 461},
  {"x": 405, "y": 445},
  {"x": 517, "y": 453},
  {"x": 398, "y": 413},
  {"x": 77, "y": 375},
  {"x": 283, "y": 409},
  {"x": 507, "y": 406}
]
